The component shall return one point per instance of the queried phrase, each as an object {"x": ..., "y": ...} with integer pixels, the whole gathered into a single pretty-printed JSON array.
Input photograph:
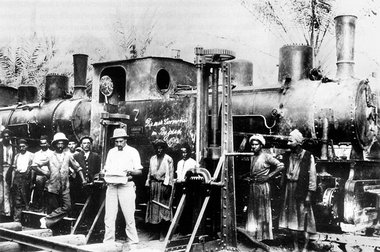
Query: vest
[{"x": 303, "y": 177}]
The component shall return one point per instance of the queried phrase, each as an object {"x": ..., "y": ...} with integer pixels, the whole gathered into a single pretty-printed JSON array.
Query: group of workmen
[
  {"x": 42, "y": 180},
  {"x": 61, "y": 172},
  {"x": 298, "y": 182},
  {"x": 62, "y": 165}
]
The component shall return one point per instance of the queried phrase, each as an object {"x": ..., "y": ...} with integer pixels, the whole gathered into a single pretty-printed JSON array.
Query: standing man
[
  {"x": 72, "y": 144},
  {"x": 90, "y": 161},
  {"x": 7, "y": 153},
  {"x": 21, "y": 179},
  {"x": 59, "y": 202},
  {"x": 38, "y": 197},
  {"x": 122, "y": 164},
  {"x": 75, "y": 182},
  {"x": 259, "y": 219},
  {"x": 186, "y": 163},
  {"x": 160, "y": 183},
  {"x": 301, "y": 181}
]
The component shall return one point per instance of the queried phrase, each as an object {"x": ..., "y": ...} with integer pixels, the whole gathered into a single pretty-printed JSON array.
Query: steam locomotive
[{"x": 156, "y": 97}]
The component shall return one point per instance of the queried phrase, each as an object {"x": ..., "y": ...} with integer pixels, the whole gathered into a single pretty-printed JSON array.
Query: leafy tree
[
  {"x": 308, "y": 22},
  {"x": 295, "y": 21},
  {"x": 25, "y": 61},
  {"x": 133, "y": 35}
]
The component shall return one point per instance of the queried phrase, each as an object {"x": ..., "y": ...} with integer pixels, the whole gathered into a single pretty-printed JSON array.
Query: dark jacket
[{"x": 91, "y": 166}]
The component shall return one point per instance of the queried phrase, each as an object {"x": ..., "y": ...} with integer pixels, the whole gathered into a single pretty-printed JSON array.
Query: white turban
[
  {"x": 257, "y": 137},
  {"x": 297, "y": 136}
]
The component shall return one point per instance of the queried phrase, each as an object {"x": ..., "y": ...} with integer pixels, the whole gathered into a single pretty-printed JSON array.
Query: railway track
[{"x": 15, "y": 237}]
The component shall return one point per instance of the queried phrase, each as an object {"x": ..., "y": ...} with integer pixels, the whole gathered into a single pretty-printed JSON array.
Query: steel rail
[{"x": 38, "y": 242}]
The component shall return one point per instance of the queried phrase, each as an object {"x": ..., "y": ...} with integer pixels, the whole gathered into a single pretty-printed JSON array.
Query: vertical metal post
[
  {"x": 228, "y": 202},
  {"x": 215, "y": 105},
  {"x": 199, "y": 63}
]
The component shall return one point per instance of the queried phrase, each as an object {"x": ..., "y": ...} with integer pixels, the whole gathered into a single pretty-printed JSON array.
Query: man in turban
[
  {"x": 301, "y": 181},
  {"x": 264, "y": 167}
]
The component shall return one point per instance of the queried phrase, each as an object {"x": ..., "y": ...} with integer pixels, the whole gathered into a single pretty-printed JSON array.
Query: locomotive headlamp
[{"x": 106, "y": 85}]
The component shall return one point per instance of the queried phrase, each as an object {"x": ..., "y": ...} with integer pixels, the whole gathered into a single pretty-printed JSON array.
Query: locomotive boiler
[
  {"x": 339, "y": 116},
  {"x": 57, "y": 112}
]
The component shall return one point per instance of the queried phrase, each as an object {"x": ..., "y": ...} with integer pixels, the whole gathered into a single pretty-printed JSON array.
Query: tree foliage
[
  {"x": 133, "y": 35},
  {"x": 25, "y": 61},
  {"x": 295, "y": 21}
]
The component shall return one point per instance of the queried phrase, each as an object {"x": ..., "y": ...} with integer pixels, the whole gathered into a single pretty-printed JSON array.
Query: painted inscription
[{"x": 172, "y": 131}]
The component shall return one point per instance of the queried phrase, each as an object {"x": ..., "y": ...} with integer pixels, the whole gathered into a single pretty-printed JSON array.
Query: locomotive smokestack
[
  {"x": 27, "y": 94},
  {"x": 296, "y": 61},
  {"x": 345, "y": 41},
  {"x": 80, "y": 75},
  {"x": 56, "y": 87}
]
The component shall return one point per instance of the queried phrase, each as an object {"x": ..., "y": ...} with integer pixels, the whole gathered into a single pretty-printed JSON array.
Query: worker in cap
[
  {"x": 90, "y": 161},
  {"x": 264, "y": 167},
  {"x": 21, "y": 179},
  {"x": 301, "y": 182}
]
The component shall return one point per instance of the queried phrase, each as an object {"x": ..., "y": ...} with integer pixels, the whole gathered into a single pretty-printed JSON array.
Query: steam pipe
[
  {"x": 80, "y": 75},
  {"x": 345, "y": 42}
]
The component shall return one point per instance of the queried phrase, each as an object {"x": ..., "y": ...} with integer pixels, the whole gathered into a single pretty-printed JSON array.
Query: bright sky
[{"x": 185, "y": 23}]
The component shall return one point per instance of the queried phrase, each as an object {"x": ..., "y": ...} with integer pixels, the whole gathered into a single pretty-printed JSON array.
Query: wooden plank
[
  {"x": 103, "y": 247},
  {"x": 15, "y": 226}
]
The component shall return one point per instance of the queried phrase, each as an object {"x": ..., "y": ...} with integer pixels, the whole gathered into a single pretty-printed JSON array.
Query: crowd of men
[
  {"x": 59, "y": 173},
  {"x": 42, "y": 180},
  {"x": 62, "y": 172}
]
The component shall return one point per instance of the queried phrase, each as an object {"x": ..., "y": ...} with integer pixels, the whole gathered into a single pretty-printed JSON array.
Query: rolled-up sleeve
[
  {"x": 136, "y": 160},
  {"x": 75, "y": 164}
]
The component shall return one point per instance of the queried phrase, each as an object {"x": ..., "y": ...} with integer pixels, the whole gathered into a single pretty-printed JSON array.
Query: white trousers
[
  {"x": 5, "y": 197},
  {"x": 124, "y": 195}
]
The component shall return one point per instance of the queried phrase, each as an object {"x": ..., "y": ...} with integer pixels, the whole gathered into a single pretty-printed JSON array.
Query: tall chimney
[
  {"x": 56, "y": 87},
  {"x": 27, "y": 94},
  {"x": 345, "y": 42},
  {"x": 80, "y": 75},
  {"x": 296, "y": 61}
]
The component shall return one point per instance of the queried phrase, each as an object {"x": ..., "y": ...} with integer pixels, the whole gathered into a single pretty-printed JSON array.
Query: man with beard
[
  {"x": 7, "y": 153},
  {"x": 59, "y": 202},
  {"x": 301, "y": 181},
  {"x": 38, "y": 195},
  {"x": 21, "y": 179}
]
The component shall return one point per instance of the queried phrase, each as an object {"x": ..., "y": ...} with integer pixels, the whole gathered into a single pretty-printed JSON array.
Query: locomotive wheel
[{"x": 218, "y": 55}]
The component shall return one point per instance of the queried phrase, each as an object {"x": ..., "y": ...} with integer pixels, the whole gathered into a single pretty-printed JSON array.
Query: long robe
[
  {"x": 259, "y": 221},
  {"x": 160, "y": 175},
  {"x": 295, "y": 215}
]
